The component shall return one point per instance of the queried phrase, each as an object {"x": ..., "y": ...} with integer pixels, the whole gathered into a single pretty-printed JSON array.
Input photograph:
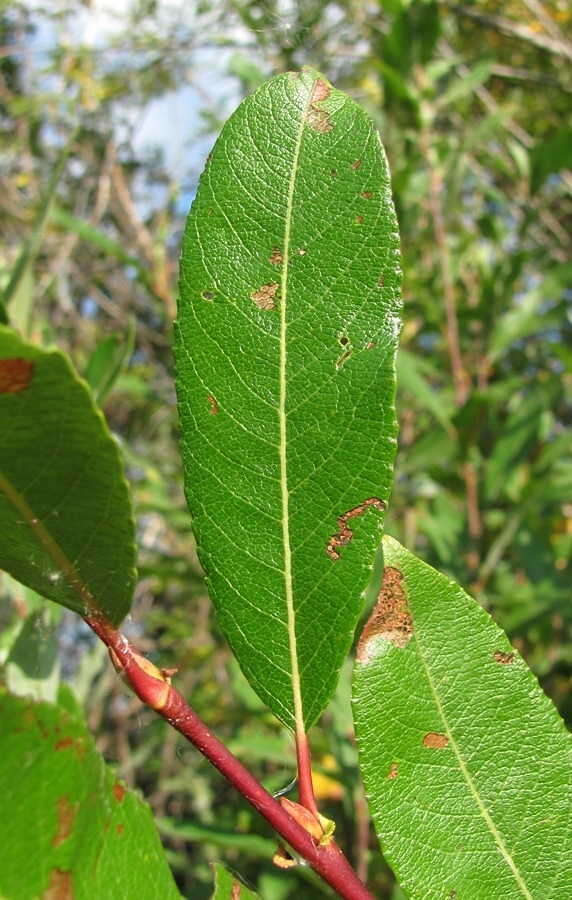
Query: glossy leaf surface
[
  {"x": 467, "y": 766},
  {"x": 68, "y": 828},
  {"x": 286, "y": 338},
  {"x": 66, "y": 527}
]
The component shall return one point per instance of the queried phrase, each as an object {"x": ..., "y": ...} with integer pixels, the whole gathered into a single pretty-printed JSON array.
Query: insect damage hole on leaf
[
  {"x": 390, "y": 619},
  {"x": 505, "y": 659},
  {"x": 345, "y": 533},
  {"x": 276, "y": 257}
]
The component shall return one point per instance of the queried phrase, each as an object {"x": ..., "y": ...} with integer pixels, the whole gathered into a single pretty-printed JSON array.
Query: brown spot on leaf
[
  {"x": 213, "y": 405},
  {"x": 359, "y": 220},
  {"x": 302, "y": 251},
  {"x": 321, "y": 91},
  {"x": 346, "y": 534},
  {"x": 381, "y": 281},
  {"x": 393, "y": 773},
  {"x": 265, "y": 298},
  {"x": 118, "y": 791},
  {"x": 435, "y": 741},
  {"x": 319, "y": 120},
  {"x": 120, "y": 828},
  {"x": 236, "y": 890},
  {"x": 208, "y": 295},
  {"x": 66, "y": 816},
  {"x": 15, "y": 375},
  {"x": 505, "y": 659},
  {"x": 60, "y": 886},
  {"x": 370, "y": 345},
  {"x": 333, "y": 173},
  {"x": 367, "y": 195},
  {"x": 344, "y": 341},
  {"x": 276, "y": 257},
  {"x": 356, "y": 165},
  {"x": 390, "y": 619}
]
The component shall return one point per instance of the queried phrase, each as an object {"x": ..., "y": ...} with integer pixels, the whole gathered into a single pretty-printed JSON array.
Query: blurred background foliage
[{"x": 107, "y": 111}]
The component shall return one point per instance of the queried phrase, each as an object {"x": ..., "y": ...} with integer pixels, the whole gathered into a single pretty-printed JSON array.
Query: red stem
[
  {"x": 305, "y": 783},
  {"x": 155, "y": 690}
]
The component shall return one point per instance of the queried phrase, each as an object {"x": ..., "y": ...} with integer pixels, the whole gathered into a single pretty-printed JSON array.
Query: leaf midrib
[
  {"x": 470, "y": 783},
  {"x": 283, "y": 445}
]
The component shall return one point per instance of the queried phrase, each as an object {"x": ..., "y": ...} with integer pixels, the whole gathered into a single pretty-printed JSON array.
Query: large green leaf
[
  {"x": 286, "y": 339},
  {"x": 467, "y": 766},
  {"x": 68, "y": 828},
  {"x": 66, "y": 527}
]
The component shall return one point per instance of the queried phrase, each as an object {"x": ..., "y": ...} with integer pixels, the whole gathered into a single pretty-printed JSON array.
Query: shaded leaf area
[
  {"x": 72, "y": 829},
  {"x": 229, "y": 887},
  {"x": 287, "y": 330},
  {"x": 65, "y": 513},
  {"x": 466, "y": 763}
]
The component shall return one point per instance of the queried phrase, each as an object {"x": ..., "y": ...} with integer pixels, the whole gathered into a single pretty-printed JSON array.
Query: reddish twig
[{"x": 154, "y": 688}]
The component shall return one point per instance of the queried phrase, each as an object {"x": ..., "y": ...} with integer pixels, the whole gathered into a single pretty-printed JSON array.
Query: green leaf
[
  {"x": 66, "y": 526},
  {"x": 467, "y": 766},
  {"x": 285, "y": 347},
  {"x": 228, "y": 887},
  {"x": 69, "y": 829},
  {"x": 108, "y": 361}
]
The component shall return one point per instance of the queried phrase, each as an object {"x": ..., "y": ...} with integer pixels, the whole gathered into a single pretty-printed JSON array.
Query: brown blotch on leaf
[
  {"x": 505, "y": 659},
  {"x": 390, "y": 619},
  {"x": 393, "y": 773},
  {"x": 236, "y": 890},
  {"x": 208, "y": 295},
  {"x": 321, "y": 91},
  {"x": 276, "y": 257},
  {"x": 381, "y": 281},
  {"x": 265, "y": 298},
  {"x": 302, "y": 251},
  {"x": 435, "y": 741},
  {"x": 319, "y": 120},
  {"x": 15, "y": 375},
  {"x": 213, "y": 405},
  {"x": 66, "y": 817},
  {"x": 356, "y": 165},
  {"x": 118, "y": 791},
  {"x": 60, "y": 886},
  {"x": 345, "y": 533},
  {"x": 370, "y": 345},
  {"x": 359, "y": 220},
  {"x": 367, "y": 195}
]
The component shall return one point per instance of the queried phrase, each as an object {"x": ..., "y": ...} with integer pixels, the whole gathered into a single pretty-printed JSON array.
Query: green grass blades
[
  {"x": 285, "y": 348},
  {"x": 66, "y": 525},
  {"x": 467, "y": 766}
]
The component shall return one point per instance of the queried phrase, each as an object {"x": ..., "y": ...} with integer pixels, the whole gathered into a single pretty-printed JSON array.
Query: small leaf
[
  {"x": 285, "y": 347},
  {"x": 228, "y": 887},
  {"x": 66, "y": 527},
  {"x": 467, "y": 766},
  {"x": 68, "y": 828}
]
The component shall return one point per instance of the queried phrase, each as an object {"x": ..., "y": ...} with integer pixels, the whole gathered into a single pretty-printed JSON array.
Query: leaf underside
[
  {"x": 66, "y": 526},
  {"x": 467, "y": 766},
  {"x": 285, "y": 345}
]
